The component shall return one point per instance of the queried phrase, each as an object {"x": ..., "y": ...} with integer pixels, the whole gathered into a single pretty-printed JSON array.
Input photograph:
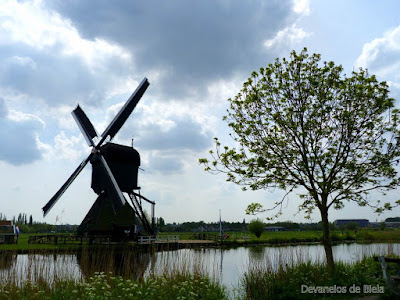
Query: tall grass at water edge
[
  {"x": 106, "y": 286},
  {"x": 122, "y": 277},
  {"x": 289, "y": 276}
]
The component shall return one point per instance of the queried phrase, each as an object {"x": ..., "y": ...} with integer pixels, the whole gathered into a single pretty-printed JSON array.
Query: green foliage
[
  {"x": 300, "y": 122},
  {"x": 351, "y": 226},
  {"x": 256, "y": 227},
  {"x": 160, "y": 224},
  {"x": 104, "y": 286},
  {"x": 382, "y": 226},
  {"x": 265, "y": 283}
]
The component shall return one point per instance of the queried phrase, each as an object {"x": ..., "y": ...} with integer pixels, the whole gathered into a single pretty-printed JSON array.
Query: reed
[
  {"x": 107, "y": 286},
  {"x": 124, "y": 274},
  {"x": 291, "y": 280}
]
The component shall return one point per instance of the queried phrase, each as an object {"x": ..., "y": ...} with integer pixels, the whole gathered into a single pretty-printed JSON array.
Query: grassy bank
[
  {"x": 314, "y": 281},
  {"x": 293, "y": 237},
  {"x": 239, "y": 238},
  {"x": 105, "y": 286},
  {"x": 260, "y": 282}
]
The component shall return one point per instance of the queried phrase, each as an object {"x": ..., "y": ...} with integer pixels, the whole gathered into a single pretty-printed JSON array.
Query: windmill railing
[{"x": 163, "y": 239}]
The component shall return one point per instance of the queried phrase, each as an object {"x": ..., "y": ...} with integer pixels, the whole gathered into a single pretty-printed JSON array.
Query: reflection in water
[
  {"x": 125, "y": 263},
  {"x": 7, "y": 260},
  {"x": 225, "y": 265},
  {"x": 35, "y": 267},
  {"x": 256, "y": 252}
]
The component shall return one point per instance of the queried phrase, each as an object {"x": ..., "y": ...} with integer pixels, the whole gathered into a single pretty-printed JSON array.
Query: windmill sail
[
  {"x": 64, "y": 187},
  {"x": 125, "y": 111},
  {"x": 84, "y": 125}
]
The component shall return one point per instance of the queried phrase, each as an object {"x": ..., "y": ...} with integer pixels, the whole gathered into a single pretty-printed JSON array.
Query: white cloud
[
  {"x": 19, "y": 131},
  {"x": 71, "y": 149},
  {"x": 18, "y": 116},
  {"x": 24, "y": 61},
  {"x": 301, "y": 7},
  {"x": 382, "y": 55},
  {"x": 288, "y": 36},
  {"x": 31, "y": 24}
]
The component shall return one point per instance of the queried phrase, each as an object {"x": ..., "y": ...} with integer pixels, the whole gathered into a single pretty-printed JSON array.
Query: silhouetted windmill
[{"x": 115, "y": 171}]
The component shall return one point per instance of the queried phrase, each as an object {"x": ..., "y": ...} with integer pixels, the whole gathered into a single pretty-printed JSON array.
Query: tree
[
  {"x": 382, "y": 226},
  {"x": 160, "y": 224},
  {"x": 303, "y": 123},
  {"x": 351, "y": 226},
  {"x": 256, "y": 227}
]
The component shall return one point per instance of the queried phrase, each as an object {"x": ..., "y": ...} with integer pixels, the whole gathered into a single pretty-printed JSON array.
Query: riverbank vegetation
[
  {"x": 281, "y": 279},
  {"x": 313, "y": 281},
  {"x": 243, "y": 238},
  {"x": 105, "y": 286}
]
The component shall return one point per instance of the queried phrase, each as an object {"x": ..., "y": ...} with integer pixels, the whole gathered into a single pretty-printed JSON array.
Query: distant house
[
  {"x": 393, "y": 224},
  {"x": 274, "y": 228},
  {"x": 359, "y": 222},
  {"x": 8, "y": 232}
]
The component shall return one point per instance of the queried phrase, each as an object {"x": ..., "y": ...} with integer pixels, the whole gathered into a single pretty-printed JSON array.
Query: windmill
[{"x": 114, "y": 172}]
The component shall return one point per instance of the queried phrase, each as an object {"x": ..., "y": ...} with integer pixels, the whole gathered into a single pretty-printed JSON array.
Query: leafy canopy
[
  {"x": 256, "y": 227},
  {"x": 303, "y": 123}
]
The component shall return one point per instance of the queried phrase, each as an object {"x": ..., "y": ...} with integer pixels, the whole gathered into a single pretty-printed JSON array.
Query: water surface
[{"x": 226, "y": 265}]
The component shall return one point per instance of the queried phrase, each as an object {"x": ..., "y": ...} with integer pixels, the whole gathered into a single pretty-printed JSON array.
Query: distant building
[
  {"x": 359, "y": 222},
  {"x": 393, "y": 224},
  {"x": 274, "y": 228},
  {"x": 8, "y": 232}
]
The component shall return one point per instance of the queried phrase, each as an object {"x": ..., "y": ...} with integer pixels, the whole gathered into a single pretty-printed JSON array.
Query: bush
[{"x": 256, "y": 227}]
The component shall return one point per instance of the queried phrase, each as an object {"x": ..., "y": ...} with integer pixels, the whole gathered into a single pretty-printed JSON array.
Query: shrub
[{"x": 256, "y": 227}]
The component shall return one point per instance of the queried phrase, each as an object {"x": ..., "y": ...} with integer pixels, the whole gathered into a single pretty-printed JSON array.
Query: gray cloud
[
  {"x": 185, "y": 135},
  {"x": 194, "y": 42},
  {"x": 167, "y": 148},
  {"x": 57, "y": 81},
  {"x": 165, "y": 164},
  {"x": 19, "y": 144}
]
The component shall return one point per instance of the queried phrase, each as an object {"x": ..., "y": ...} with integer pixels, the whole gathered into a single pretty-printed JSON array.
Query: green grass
[
  {"x": 23, "y": 245},
  {"x": 122, "y": 277},
  {"x": 261, "y": 282},
  {"x": 302, "y": 236},
  {"x": 238, "y": 238},
  {"x": 105, "y": 286},
  {"x": 258, "y": 283}
]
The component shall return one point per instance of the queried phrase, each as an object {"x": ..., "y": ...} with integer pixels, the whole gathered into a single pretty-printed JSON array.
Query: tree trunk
[{"x": 326, "y": 240}]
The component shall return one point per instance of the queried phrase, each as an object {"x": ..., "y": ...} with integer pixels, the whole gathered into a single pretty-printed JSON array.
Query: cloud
[
  {"x": 164, "y": 163},
  {"x": 43, "y": 55},
  {"x": 382, "y": 55},
  {"x": 301, "y": 7},
  {"x": 287, "y": 37},
  {"x": 19, "y": 133},
  {"x": 184, "y": 135},
  {"x": 187, "y": 45}
]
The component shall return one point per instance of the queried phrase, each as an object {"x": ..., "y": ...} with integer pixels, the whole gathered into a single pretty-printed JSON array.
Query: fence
[{"x": 161, "y": 239}]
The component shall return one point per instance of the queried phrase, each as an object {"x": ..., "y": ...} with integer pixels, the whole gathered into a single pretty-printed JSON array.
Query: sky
[{"x": 195, "y": 54}]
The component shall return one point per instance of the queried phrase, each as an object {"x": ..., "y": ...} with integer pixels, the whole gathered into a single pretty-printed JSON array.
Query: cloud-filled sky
[{"x": 56, "y": 54}]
